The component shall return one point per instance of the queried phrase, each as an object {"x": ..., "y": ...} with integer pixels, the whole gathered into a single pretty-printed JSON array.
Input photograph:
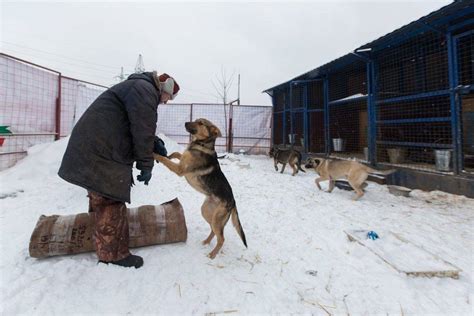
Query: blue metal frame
[
  {"x": 283, "y": 130},
  {"x": 461, "y": 25},
  {"x": 371, "y": 112},
  {"x": 326, "y": 116},
  {"x": 273, "y": 122},
  {"x": 418, "y": 120},
  {"x": 344, "y": 101},
  {"x": 413, "y": 144},
  {"x": 454, "y": 103},
  {"x": 305, "y": 117},
  {"x": 291, "y": 111},
  {"x": 413, "y": 97},
  {"x": 456, "y": 98},
  {"x": 439, "y": 26}
]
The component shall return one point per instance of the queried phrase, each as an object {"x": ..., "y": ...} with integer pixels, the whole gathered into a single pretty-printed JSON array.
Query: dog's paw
[{"x": 212, "y": 255}]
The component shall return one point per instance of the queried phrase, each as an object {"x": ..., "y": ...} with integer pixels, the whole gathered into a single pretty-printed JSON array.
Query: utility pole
[
  {"x": 238, "y": 91},
  {"x": 121, "y": 76},
  {"x": 140, "y": 66}
]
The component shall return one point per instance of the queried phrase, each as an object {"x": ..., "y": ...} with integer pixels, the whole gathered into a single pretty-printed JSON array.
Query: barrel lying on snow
[{"x": 148, "y": 225}]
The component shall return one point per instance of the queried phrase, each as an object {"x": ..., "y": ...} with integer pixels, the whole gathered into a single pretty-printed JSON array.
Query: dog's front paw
[{"x": 158, "y": 157}]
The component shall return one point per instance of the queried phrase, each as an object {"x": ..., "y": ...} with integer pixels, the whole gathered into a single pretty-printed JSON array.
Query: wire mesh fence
[
  {"x": 252, "y": 129},
  {"x": 348, "y": 126},
  {"x": 348, "y": 121},
  {"x": 38, "y": 105},
  {"x": 413, "y": 107},
  {"x": 27, "y": 106},
  {"x": 315, "y": 117},
  {"x": 76, "y": 96},
  {"x": 419, "y": 65},
  {"x": 465, "y": 65},
  {"x": 249, "y": 127},
  {"x": 408, "y": 103}
]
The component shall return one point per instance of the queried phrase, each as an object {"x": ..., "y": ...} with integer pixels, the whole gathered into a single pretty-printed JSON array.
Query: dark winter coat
[{"x": 116, "y": 130}]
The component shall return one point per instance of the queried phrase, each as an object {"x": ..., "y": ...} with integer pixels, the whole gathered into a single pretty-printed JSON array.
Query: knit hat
[{"x": 167, "y": 84}]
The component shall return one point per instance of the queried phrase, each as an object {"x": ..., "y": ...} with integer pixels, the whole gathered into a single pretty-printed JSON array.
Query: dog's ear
[{"x": 215, "y": 132}]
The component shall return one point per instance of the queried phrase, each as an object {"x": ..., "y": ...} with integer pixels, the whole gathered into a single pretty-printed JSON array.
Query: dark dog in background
[
  {"x": 199, "y": 165},
  {"x": 286, "y": 156}
]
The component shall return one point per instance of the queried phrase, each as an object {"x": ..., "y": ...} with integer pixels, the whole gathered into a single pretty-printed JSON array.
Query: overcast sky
[{"x": 266, "y": 42}]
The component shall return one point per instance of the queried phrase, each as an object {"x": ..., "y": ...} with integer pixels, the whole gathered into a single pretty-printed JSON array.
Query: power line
[
  {"x": 64, "y": 70},
  {"x": 60, "y": 62},
  {"x": 58, "y": 55}
]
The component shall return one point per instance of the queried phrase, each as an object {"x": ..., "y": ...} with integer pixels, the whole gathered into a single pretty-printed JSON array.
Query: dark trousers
[{"x": 111, "y": 227}]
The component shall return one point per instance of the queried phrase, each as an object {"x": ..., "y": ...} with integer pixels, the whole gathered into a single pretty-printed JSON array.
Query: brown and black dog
[
  {"x": 199, "y": 165},
  {"x": 286, "y": 156}
]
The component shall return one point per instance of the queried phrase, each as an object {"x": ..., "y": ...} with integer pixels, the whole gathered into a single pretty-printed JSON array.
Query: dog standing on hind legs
[{"x": 199, "y": 165}]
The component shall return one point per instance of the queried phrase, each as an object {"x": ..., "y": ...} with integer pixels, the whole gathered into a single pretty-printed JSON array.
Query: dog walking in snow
[
  {"x": 286, "y": 156},
  {"x": 332, "y": 170},
  {"x": 199, "y": 165}
]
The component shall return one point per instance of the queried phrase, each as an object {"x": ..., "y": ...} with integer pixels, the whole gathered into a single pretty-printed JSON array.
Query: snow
[
  {"x": 299, "y": 259},
  {"x": 354, "y": 96}
]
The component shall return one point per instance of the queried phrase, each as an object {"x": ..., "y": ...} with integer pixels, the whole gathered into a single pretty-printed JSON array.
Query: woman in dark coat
[{"x": 116, "y": 130}]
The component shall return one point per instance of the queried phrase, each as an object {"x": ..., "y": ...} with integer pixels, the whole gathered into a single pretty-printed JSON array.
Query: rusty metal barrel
[{"x": 148, "y": 225}]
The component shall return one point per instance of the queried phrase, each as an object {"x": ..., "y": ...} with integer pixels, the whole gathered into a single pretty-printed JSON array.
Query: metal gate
[{"x": 464, "y": 98}]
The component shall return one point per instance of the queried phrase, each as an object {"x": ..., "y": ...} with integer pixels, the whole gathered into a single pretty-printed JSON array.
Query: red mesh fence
[
  {"x": 27, "y": 108},
  {"x": 29, "y": 105},
  {"x": 33, "y": 110}
]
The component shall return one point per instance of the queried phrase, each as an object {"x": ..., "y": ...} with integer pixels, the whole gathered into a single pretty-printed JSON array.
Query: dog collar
[{"x": 203, "y": 149}]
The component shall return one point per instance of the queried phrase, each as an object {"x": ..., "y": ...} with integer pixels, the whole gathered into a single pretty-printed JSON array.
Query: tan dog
[
  {"x": 355, "y": 173},
  {"x": 199, "y": 165}
]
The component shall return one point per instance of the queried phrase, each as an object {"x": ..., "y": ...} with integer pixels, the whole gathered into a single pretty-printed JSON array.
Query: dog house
[{"x": 404, "y": 100}]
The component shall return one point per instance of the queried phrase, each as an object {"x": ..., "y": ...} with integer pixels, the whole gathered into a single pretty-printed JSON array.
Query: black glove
[
  {"x": 159, "y": 147},
  {"x": 144, "y": 176}
]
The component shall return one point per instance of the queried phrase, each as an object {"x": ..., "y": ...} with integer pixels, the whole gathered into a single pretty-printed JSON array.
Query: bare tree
[{"x": 222, "y": 84}]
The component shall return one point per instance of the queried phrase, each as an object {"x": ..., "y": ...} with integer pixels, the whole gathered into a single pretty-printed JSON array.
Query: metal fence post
[
  {"x": 453, "y": 97},
  {"x": 58, "y": 110},
  {"x": 285, "y": 101},
  {"x": 327, "y": 136},
  {"x": 291, "y": 115},
  {"x": 371, "y": 111},
  {"x": 190, "y": 118},
  {"x": 305, "y": 117},
  {"x": 229, "y": 134}
]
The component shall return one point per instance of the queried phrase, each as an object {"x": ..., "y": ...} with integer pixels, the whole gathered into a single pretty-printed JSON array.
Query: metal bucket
[
  {"x": 291, "y": 138},
  {"x": 443, "y": 159},
  {"x": 338, "y": 144},
  {"x": 396, "y": 155}
]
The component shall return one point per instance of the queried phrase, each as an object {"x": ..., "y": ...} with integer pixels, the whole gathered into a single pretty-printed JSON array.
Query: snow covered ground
[{"x": 299, "y": 260}]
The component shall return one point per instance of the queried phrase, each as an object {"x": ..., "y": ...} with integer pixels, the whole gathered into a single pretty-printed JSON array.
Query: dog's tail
[
  {"x": 299, "y": 163},
  {"x": 237, "y": 225},
  {"x": 382, "y": 172}
]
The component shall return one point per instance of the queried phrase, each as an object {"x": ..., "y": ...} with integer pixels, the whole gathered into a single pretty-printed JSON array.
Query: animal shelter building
[{"x": 404, "y": 100}]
